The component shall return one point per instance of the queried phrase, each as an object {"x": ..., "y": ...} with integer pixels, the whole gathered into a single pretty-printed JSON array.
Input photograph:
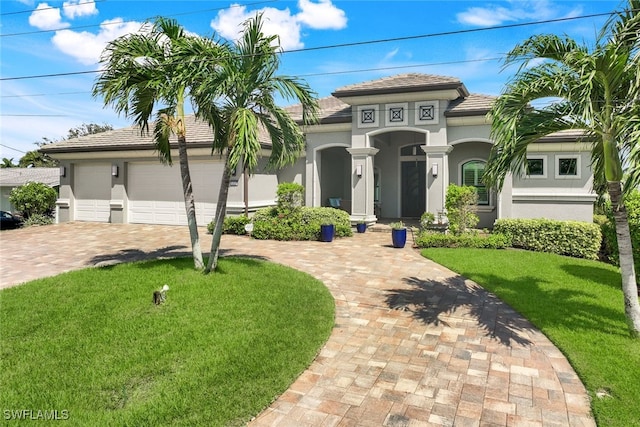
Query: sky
[{"x": 49, "y": 51}]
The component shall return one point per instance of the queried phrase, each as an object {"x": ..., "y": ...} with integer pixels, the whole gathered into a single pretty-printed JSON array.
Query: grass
[
  {"x": 217, "y": 352},
  {"x": 577, "y": 304}
]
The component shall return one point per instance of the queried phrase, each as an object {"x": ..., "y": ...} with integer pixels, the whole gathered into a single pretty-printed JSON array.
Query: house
[
  {"x": 11, "y": 178},
  {"x": 386, "y": 148}
]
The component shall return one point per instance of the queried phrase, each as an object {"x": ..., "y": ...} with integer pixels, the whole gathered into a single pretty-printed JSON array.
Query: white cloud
[
  {"x": 281, "y": 22},
  {"x": 517, "y": 10},
  {"x": 86, "y": 47},
  {"x": 46, "y": 18},
  {"x": 77, "y": 8},
  {"x": 321, "y": 16}
]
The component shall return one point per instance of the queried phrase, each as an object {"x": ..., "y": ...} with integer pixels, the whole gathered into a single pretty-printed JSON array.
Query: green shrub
[
  {"x": 300, "y": 224},
  {"x": 610, "y": 240},
  {"x": 461, "y": 203},
  {"x": 38, "y": 219},
  {"x": 427, "y": 219},
  {"x": 231, "y": 225},
  {"x": 33, "y": 198},
  {"x": 572, "y": 238},
  {"x": 290, "y": 196},
  {"x": 429, "y": 239}
]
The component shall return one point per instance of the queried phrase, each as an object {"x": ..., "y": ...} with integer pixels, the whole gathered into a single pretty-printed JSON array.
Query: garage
[
  {"x": 155, "y": 192},
  {"x": 92, "y": 190}
]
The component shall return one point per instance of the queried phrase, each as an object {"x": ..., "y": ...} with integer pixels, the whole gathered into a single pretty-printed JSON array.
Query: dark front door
[{"x": 413, "y": 188}]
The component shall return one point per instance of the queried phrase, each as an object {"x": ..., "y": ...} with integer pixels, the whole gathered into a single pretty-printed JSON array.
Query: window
[
  {"x": 536, "y": 167},
  {"x": 567, "y": 167},
  {"x": 472, "y": 175}
]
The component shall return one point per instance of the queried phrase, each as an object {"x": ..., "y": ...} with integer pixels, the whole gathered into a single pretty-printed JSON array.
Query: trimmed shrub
[
  {"x": 461, "y": 204},
  {"x": 290, "y": 196},
  {"x": 231, "y": 225},
  {"x": 609, "y": 238},
  {"x": 428, "y": 239},
  {"x": 572, "y": 238},
  {"x": 33, "y": 198},
  {"x": 299, "y": 224},
  {"x": 38, "y": 219}
]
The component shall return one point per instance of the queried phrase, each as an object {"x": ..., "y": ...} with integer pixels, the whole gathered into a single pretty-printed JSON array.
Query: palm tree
[
  {"x": 7, "y": 163},
  {"x": 598, "y": 92},
  {"x": 157, "y": 67},
  {"x": 238, "y": 100}
]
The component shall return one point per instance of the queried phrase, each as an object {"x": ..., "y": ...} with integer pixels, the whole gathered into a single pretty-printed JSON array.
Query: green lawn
[
  {"x": 578, "y": 305},
  {"x": 216, "y": 352}
]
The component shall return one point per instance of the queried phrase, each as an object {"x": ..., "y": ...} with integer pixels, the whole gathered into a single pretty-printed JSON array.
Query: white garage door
[
  {"x": 155, "y": 192},
  {"x": 92, "y": 190}
]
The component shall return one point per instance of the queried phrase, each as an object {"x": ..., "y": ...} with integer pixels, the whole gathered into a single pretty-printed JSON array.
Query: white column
[
  {"x": 362, "y": 190},
  {"x": 437, "y": 158}
]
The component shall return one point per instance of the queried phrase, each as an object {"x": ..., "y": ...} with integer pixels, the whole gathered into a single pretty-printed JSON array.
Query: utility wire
[
  {"x": 14, "y": 149},
  {"x": 125, "y": 22}
]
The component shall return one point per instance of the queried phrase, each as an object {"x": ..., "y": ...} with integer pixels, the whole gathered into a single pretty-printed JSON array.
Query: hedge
[
  {"x": 429, "y": 239},
  {"x": 572, "y": 238},
  {"x": 299, "y": 224}
]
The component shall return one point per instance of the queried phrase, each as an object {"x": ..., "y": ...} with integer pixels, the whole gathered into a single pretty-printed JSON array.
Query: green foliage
[
  {"x": 461, "y": 203},
  {"x": 33, "y": 198},
  {"x": 300, "y": 224},
  {"x": 231, "y": 225},
  {"x": 38, "y": 219},
  {"x": 399, "y": 225},
  {"x": 429, "y": 239},
  {"x": 610, "y": 240},
  {"x": 572, "y": 238},
  {"x": 36, "y": 159},
  {"x": 290, "y": 196},
  {"x": 427, "y": 219}
]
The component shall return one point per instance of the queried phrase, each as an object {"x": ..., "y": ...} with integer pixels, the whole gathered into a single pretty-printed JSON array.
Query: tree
[
  {"x": 598, "y": 89},
  {"x": 34, "y": 198},
  {"x": 88, "y": 129},
  {"x": 7, "y": 163},
  {"x": 238, "y": 100},
  {"x": 155, "y": 67},
  {"x": 36, "y": 159}
]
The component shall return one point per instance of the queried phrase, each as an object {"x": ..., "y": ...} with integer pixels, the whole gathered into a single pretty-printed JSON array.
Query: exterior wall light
[
  {"x": 434, "y": 169},
  {"x": 63, "y": 171},
  {"x": 114, "y": 170}
]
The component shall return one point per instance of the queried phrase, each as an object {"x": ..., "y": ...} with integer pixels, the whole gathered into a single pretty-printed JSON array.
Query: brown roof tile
[
  {"x": 473, "y": 105},
  {"x": 402, "y": 83}
]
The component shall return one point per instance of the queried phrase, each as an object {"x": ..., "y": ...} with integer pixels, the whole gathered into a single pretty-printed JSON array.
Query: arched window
[{"x": 472, "y": 175}]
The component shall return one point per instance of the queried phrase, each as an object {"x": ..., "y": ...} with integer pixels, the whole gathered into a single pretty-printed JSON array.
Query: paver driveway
[{"x": 414, "y": 344}]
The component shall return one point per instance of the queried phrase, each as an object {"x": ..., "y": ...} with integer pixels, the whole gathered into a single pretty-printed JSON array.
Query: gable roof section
[
  {"x": 332, "y": 110},
  {"x": 402, "y": 83},
  {"x": 14, "y": 177}
]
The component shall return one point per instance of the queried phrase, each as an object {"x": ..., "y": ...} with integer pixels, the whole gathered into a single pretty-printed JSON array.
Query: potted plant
[
  {"x": 327, "y": 232},
  {"x": 398, "y": 234},
  {"x": 361, "y": 226}
]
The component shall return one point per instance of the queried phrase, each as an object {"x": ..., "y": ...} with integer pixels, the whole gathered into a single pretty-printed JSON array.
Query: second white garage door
[
  {"x": 156, "y": 197},
  {"x": 92, "y": 189}
]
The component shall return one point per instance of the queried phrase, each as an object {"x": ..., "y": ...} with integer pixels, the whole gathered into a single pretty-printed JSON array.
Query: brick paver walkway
[{"x": 414, "y": 343}]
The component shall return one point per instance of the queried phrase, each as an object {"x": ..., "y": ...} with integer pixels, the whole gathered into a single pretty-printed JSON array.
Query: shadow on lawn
[
  {"x": 131, "y": 255},
  {"x": 431, "y": 300}
]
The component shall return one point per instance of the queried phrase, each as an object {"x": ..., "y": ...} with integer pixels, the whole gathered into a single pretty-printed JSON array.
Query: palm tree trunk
[
  {"x": 627, "y": 271},
  {"x": 221, "y": 209},
  {"x": 189, "y": 203}
]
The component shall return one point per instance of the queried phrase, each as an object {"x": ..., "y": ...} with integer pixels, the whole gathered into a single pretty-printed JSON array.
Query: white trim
[
  {"x": 461, "y": 180},
  {"x": 558, "y": 157},
  {"x": 553, "y": 197},
  {"x": 375, "y": 110},
  {"x": 545, "y": 167},
  {"x": 468, "y": 121},
  {"x": 393, "y": 111},
  {"x": 475, "y": 139}
]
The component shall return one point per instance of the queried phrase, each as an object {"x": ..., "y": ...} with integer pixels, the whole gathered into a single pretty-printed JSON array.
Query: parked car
[{"x": 9, "y": 221}]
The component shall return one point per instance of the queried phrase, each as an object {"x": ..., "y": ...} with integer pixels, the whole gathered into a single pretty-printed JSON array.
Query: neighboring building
[
  {"x": 386, "y": 148},
  {"x": 11, "y": 178}
]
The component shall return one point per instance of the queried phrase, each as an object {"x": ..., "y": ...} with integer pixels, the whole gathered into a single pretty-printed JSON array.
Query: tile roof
[
  {"x": 13, "y": 177},
  {"x": 401, "y": 83},
  {"x": 332, "y": 110},
  {"x": 473, "y": 105}
]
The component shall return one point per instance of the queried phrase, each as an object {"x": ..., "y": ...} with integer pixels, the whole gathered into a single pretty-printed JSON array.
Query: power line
[
  {"x": 14, "y": 149},
  {"x": 33, "y": 115},
  {"x": 125, "y": 22},
  {"x": 47, "y": 8}
]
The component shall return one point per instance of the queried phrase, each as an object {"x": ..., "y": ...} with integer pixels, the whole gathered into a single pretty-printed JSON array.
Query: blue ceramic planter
[
  {"x": 327, "y": 231},
  {"x": 361, "y": 227},
  {"x": 399, "y": 237}
]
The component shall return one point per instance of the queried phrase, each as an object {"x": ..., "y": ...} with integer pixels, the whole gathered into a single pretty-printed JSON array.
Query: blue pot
[
  {"x": 327, "y": 231},
  {"x": 399, "y": 237},
  {"x": 361, "y": 227}
]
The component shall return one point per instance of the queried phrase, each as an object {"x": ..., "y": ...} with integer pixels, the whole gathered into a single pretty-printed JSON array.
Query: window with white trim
[
  {"x": 567, "y": 166},
  {"x": 536, "y": 167},
  {"x": 472, "y": 172}
]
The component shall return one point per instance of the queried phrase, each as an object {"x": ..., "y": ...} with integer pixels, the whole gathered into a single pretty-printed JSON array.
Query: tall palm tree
[
  {"x": 155, "y": 69},
  {"x": 239, "y": 100},
  {"x": 598, "y": 92}
]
